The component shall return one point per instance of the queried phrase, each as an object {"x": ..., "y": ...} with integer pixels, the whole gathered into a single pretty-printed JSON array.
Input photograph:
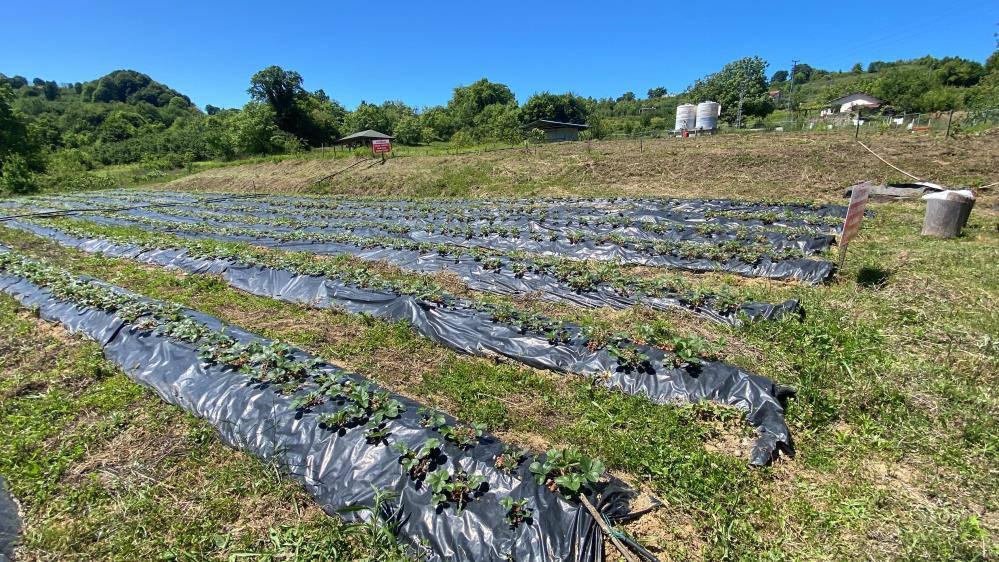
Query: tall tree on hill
[
  {"x": 658, "y": 92},
  {"x": 314, "y": 118},
  {"x": 567, "y": 108},
  {"x": 467, "y": 102},
  {"x": 282, "y": 90},
  {"x": 743, "y": 79}
]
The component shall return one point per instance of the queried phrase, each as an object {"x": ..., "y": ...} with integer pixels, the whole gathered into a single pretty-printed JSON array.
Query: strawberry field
[{"x": 663, "y": 308}]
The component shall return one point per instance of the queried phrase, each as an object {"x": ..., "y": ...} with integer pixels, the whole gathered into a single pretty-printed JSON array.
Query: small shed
[
  {"x": 849, "y": 102},
  {"x": 556, "y": 131},
  {"x": 362, "y": 138}
]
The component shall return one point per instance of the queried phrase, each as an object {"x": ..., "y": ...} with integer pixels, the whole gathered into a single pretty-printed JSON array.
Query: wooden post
[
  {"x": 950, "y": 116},
  {"x": 856, "y": 135}
]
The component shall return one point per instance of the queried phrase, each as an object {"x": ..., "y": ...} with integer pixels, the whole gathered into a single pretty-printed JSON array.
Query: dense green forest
[{"x": 56, "y": 135}]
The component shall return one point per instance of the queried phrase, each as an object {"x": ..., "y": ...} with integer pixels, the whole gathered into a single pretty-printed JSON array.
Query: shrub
[{"x": 15, "y": 176}]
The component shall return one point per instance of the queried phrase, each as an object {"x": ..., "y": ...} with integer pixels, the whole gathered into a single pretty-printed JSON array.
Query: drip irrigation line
[
  {"x": 889, "y": 163},
  {"x": 597, "y": 516}
]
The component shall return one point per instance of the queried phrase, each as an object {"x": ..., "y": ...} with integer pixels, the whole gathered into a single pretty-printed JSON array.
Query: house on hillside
[
  {"x": 362, "y": 138},
  {"x": 556, "y": 131},
  {"x": 849, "y": 102}
]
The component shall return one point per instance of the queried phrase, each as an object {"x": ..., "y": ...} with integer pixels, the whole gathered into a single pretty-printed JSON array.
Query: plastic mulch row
[
  {"x": 477, "y": 333},
  {"x": 344, "y": 469}
]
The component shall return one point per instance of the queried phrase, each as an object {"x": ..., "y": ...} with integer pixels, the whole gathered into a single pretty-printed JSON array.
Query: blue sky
[{"x": 379, "y": 50}]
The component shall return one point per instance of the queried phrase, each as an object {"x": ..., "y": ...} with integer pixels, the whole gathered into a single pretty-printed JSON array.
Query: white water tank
[
  {"x": 685, "y": 116},
  {"x": 707, "y": 115}
]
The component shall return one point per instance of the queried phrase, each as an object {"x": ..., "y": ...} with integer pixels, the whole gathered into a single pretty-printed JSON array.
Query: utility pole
[{"x": 790, "y": 90}]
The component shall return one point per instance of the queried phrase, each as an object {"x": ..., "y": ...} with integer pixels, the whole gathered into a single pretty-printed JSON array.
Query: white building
[{"x": 849, "y": 102}]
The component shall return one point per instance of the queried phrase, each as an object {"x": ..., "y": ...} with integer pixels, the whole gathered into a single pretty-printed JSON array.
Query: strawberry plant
[
  {"x": 516, "y": 510},
  {"x": 308, "y": 401},
  {"x": 458, "y": 488},
  {"x": 348, "y": 416},
  {"x": 725, "y": 301},
  {"x": 629, "y": 356},
  {"x": 463, "y": 435},
  {"x": 509, "y": 458},
  {"x": 376, "y": 404},
  {"x": 417, "y": 462},
  {"x": 185, "y": 329},
  {"x": 431, "y": 418},
  {"x": 377, "y": 433},
  {"x": 567, "y": 470},
  {"x": 688, "y": 350}
]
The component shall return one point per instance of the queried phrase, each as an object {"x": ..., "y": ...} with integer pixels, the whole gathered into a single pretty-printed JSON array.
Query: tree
[
  {"x": 15, "y": 176},
  {"x": 440, "y": 121},
  {"x": 409, "y": 130},
  {"x": 468, "y": 101},
  {"x": 627, "y": 96},
  {"x": 745, "y": 79},
  {"x": 499, "y": 122},
  {"x": 313, "y": 118},
  {"x": 211, "y": 109},
  {"x": 256, "y": 130},
  {"x": 368, "y": 116},
  {"x": 857, "y": 68},
  {"x": 904, "y": 87},
  {"x": 657, "y": 92},
  {"x": 802, "y": 73},
  {"x": 282, "y": 90},
  {"x": 567, "y": 108},
  {"x": 991, "y": 63},
  {"x": 955, "y": 71},
  {"x": 16, "y": 140},
  {"x": 778, "y": 77}
]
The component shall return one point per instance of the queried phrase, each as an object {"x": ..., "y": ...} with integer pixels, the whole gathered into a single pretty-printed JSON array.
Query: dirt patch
[{"x": 25, "y": 389}]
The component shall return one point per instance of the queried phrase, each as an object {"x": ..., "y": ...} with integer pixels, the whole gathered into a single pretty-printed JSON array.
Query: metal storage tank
[
  {"x": 685, "y": 116},
  {"x": 707, "y": 115}
]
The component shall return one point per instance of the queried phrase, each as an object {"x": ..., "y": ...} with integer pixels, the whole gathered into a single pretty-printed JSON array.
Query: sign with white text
[{"x": 381, "y": 146}]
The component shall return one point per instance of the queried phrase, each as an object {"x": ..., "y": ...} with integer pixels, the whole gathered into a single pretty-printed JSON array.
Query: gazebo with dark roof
[{"x": 362, "y": 138}]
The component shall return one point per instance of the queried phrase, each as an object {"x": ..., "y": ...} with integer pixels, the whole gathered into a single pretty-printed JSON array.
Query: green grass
[{"x": 894, "y": 421}]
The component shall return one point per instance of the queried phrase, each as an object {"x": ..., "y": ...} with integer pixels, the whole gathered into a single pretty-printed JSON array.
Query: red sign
[
  {"x": 854, "y": 214},
  {"x": 381, "y": 146}
]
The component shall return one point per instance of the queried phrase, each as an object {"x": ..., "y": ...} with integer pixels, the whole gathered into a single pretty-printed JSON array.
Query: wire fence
[{"x": 934, "y": 122}]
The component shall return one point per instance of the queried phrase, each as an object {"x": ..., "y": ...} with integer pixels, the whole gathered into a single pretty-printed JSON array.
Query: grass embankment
[
  {"x": 894, "y": 420},
  {"x": 810, "y": 166}
]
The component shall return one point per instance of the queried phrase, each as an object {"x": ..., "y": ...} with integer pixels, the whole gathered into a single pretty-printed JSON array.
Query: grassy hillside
[{"x": 798, "y": 166}]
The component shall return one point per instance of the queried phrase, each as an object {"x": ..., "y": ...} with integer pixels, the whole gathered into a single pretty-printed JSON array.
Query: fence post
[{"x": 950, "y": 116}]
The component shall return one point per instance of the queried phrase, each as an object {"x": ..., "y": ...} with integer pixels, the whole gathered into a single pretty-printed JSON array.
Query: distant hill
[{"x": 114, "y": 119}]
